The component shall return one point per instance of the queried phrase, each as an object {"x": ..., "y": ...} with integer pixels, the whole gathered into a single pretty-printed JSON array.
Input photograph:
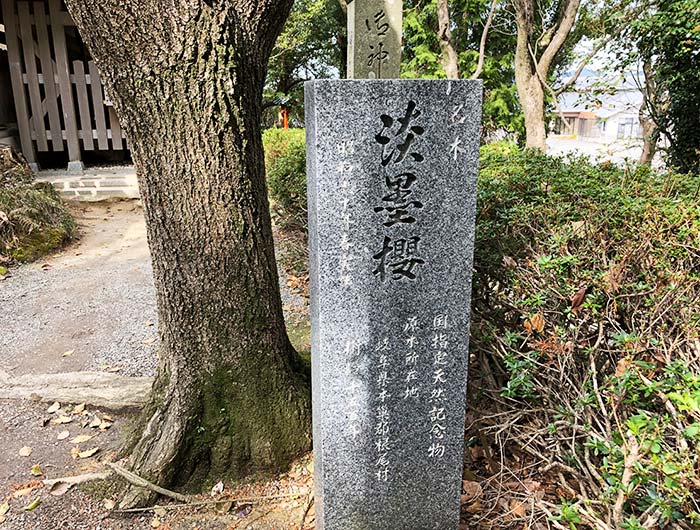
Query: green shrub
[
  {"x": 587, "y": 323},
  {"x": 285, "y": 162},
  {"x": 33, "y": 221}
]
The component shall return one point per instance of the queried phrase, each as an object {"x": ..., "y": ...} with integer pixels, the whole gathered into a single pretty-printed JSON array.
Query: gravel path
[{"x": 92, "y": 306}]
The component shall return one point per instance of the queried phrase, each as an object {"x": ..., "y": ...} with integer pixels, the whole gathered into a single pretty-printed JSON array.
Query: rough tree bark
[
  {"x": 186, "y": 78},
  {"x": 449, "y": 54},
  {"x": 532, "y": 67}
]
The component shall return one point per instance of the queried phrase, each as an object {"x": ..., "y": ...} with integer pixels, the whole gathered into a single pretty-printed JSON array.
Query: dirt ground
[{"x": 91, "y": 307}]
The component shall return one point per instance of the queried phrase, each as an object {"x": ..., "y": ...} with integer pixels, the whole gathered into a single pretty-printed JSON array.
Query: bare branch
[
  {"x": 566, "y": 22},
  {"x": 482, "y": 44},
  {"x": 582, "y": 65}
]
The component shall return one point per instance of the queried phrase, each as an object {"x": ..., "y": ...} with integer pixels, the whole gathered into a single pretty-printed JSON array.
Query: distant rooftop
[{"x": 603, "y": 92}]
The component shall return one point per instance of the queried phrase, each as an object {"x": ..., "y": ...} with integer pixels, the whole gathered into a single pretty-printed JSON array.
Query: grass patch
[{"x": 33, "y": 219}]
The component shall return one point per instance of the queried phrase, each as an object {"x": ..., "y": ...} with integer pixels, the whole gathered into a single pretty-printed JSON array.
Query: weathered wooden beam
[
  {"x": 48, "y": 76},
  {"x": 98, "y": 106},
  {"x": 18, "y": 93},
  {"x": 25, "y": 26},
  {"x": 59, "y": 43},
  {"x": 83, "y": 106}
]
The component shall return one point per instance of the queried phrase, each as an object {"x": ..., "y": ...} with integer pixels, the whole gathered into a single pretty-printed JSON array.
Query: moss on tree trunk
[{"x": 186, "y": 78}]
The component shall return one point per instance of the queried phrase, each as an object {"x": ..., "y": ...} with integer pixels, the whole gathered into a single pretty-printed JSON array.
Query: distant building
[
  {"x": 601, "y": 119},
  {"x": 594, "y": 111}
]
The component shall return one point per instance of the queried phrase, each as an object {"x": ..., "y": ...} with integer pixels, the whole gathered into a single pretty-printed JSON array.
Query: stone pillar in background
[
  {"x": 374, "y": 39},
  {"x": 391, "y": 168}
]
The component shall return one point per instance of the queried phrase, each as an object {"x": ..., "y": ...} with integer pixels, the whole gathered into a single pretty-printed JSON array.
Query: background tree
[
  {"x": 186, "y": 78},
  {"x": 667, "y": 38},
  {"x": 311, "y": 45},
  {"x": 483, "y": 38},
  {"x": 543, "y": 28}
]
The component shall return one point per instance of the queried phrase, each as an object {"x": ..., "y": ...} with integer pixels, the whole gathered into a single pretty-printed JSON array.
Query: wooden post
[
  {"x": 59, "y": 43},
  {"x": 98, "y": 105},
  {"x": 21, "y": 109},
  {"x": 49, "y": 75},
  {"x": 374, "y": 39},
  {"x": 83, "y": 106},
  {"x": 32, "y": 76}
]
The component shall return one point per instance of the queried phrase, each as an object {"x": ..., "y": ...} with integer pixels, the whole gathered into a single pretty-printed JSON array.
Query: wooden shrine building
[{"x": 51, "y": 96}]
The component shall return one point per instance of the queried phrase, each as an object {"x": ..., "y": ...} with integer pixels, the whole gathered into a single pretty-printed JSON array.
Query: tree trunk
[
  {"x": 449, "y": 55},
  {"x": 186, "y": 78},
  {"x": 531, "y": 71},
  {"x": 650, "y": 137},
  {"x": 530, "y": 90},
  {"x": 532, "y": 101},
  {"x": 650, "y": 100}
]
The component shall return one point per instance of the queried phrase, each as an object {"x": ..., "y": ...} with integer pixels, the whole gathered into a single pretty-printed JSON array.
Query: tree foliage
[
  {"x": 310, "y": 46},
  {"x": 669, "y": 35}
]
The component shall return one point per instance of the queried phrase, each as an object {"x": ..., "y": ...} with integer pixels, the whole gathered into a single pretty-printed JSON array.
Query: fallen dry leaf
[
  {"x": 63, "y": 435},
  {"x": 244, "y": 510},
  {"x": 88, "y": 453},
  {"x": 517, "y": 508},
  {"x": 472, "y": 490},
  {"x": 217, "y": 489},
  {"x": 160, "y": 511},
  {"x": 224, "y": 507},
  {"x": 4, "y": 508},
  {"x": 155, "y": 522},
  {"x": 622, "y": 366},
  {"x": 62, "y": 419},
  {"x": 74, "y": 452},
  {"x": 534, "y": 323},
  {"x": 36, "y": 471},
  {"x": 82, "y": 438},
  {"x": 148, "y": 323},
  {"x": 109, "y": 504},
  {"x": 148, "y": 341},
  {"x": 25, "y": 451},
  {"x": 25, "y": 489},
  {"x": 105, "y": 425},
  {"x": 22, "y": 492},
  {"x": 96, "y": 422},
  {"x": 68, "y": 353},
  {"x": 60, "y": 488},
  {"x": 578, "y": 299},
  {"x": 577, "y": 226},
  {"x": 105, "y": 417},
  {"x": 54, "y": 408},
  {"x": 78, "y": 409}
]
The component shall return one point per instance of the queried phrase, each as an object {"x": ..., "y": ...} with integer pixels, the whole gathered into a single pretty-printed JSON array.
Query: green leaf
[{"x": 36, "y": 502}]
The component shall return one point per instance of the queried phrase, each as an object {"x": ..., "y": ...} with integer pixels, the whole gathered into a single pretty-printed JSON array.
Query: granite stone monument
[
  {"x": 374, "y": 39},
  {"x": 391, "y": 168}
]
